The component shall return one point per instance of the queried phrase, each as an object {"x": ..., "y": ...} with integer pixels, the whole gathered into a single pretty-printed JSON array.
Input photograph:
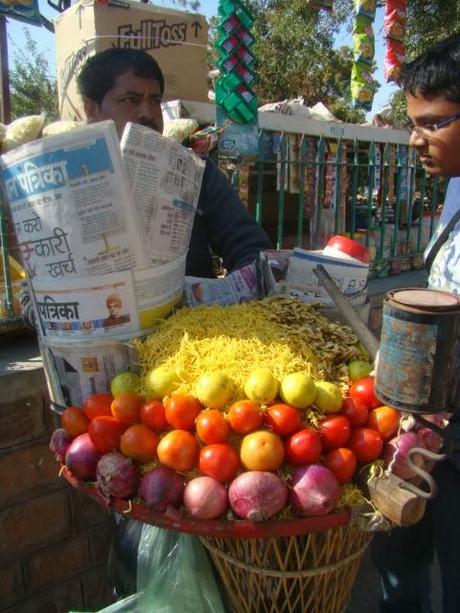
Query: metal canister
[{"x": 419, "y": 357}]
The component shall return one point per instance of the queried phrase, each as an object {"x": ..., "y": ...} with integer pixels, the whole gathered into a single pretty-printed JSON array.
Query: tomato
[
  {"x": 303, "y": 447},
  {"x": 385, "y": 420},
  {"x": 262, "y": 450},
  {"x": 105, "y": 433},
  {"x": 139, "y": 443},
  {"x": 97, "y": 404},
  {"x": 219, "y": 461},
  {"x": 283, "y": 419},
  {"x": 342, "y": 462},
  {"x": 244, "y": 416},
  {"x": 152, "y": 414},
  {"x": 355, "y": 411},
  {"x": 335, "y": 431},
  {"x": 363, "y": 390},
  {"x": 127, "y": 406},
  {"x": 366, "y": 444},
  {"x": 181, "y": 410},
  {"x": 178, "y": 450},
  {"x": 212, "y": 427},
  {"x": 74, "y": 421}
]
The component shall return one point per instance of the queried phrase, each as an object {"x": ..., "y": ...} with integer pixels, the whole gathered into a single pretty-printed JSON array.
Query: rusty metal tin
[{"x": 418, "y": 367}]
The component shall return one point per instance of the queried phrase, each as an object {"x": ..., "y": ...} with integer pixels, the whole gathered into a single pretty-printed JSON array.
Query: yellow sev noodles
[{"x": 281, "y": 334}]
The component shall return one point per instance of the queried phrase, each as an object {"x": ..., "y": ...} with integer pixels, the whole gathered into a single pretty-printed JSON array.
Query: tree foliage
[{"x": 32, "y": 87}]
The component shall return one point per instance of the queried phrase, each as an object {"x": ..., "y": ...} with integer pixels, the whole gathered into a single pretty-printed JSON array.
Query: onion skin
[
  {"x": 117, "y": 476},
  {"x": 205, "y": 498},
  {"x": 315, "y": 490},
  {"x": 162, "y": 487},
  {"x": 82, "y": 458},
  {"x": 397, "y": 448},
  {"x": 59, "y": 443},
  {"x": 257, "y": 495}
]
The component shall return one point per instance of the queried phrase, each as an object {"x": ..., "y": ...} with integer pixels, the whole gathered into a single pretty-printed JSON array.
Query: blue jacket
[{"x": 224, "y": 225}]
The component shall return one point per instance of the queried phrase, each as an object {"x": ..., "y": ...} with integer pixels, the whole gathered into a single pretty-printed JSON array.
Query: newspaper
[
  {"x": 71, "y": 205},
  {"x": 237, "y": 287},
  {"x": 291, "y": 273},
  {"x": 165, "y": 179}
]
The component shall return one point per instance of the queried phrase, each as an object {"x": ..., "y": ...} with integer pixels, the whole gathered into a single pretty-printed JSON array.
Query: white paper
[
  {"x": 239, "y": 286},
  {"x": 165, "y": 179},
  {"x": 71, "y": 205}
]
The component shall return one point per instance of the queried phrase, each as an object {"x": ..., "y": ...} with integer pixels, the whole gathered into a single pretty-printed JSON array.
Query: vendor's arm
[{"x": 231, "y": 231}]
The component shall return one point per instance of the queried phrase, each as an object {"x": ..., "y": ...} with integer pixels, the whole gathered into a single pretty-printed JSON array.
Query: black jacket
[{"x": 223, "y": 225}]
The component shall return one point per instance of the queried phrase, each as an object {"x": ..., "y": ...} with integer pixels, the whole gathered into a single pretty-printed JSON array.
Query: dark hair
[
  {"x": 436, "y": 71},
  {"x": 100, "y": 71}
]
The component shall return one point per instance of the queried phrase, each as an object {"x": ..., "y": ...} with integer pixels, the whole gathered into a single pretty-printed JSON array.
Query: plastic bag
[
  {"x": 174, "y": 574},
  {"x": 22, "y": 130}
]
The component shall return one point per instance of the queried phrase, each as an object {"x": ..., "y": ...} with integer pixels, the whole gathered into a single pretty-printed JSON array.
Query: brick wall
[{"x": 54, "y": 541}]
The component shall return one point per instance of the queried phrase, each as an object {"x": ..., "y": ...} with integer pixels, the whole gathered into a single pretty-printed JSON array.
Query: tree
[{"x": 32, "y": 87}]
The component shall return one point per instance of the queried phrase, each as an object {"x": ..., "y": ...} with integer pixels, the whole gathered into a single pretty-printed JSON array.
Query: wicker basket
[{"x": 312, "y": 573}]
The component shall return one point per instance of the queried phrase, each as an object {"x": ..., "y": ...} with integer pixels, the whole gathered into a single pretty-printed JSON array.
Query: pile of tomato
[{"x": 181, "y": 434}]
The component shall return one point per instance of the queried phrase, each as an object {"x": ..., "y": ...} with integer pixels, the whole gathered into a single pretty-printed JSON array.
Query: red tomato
[
  {"x": 97, "y": 404},
  {"x": 219, "y": 461},
  {"x": 74, "y": 421},
  {"x": 178, "y": 450},
  {"x": 363, "y": 390},
  {"x": 152, "y": 414},
  {"x": 212, "y": 427},
  {"x": 127, "y": 407},
  {"x": 335, "y": 431},
  {"x": 355, "y": 411},
  {"x": 244, "y": 416},
  {"x": 283, "y": 419},
  {"x": 385, "y": 420},
  {"x": 366, "y": 444},
  {"x": 139, "y": 443},
  {"x": 181, "y": 410},
  {"x": 105, "y": 433},
  {"x": 303, "y": 447},
  {"x": 342, "y": 462}
]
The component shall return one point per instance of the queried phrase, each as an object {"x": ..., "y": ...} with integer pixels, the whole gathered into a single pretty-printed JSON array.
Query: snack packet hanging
[
  {"x": 394, "y": 21},
  {"x": 362, "y": 86},
  {"x": 363, "y": 41},
  {"x": 394, "y": 57},
  {"x": 366, "y": 8}
]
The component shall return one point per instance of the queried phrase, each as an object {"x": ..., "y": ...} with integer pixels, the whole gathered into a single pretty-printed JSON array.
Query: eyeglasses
[{"x": 429, "y": 128}]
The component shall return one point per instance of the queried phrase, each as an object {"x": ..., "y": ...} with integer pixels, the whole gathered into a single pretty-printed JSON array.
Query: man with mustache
[
  {"x": 404, "y": 555},
  {"x": 127, "y": 85}
]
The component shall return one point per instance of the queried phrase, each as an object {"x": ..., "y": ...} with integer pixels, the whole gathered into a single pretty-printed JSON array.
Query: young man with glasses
[{"x": 404, "y": 555}]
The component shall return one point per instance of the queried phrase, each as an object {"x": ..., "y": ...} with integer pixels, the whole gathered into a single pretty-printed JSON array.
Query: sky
[{"x": 45, "y": 41}]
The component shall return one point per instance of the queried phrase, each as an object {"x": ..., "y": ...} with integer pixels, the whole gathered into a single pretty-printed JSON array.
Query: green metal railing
[{"x": 375, "y": 192}]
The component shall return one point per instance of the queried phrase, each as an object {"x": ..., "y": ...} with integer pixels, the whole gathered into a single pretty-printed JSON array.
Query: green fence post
[
  {"x": 281, "y": 192},
  {"x": 320, "y": 163},
  {"x": 260, "y": 179},
  {"x": 338, "y": 184},
  {"x": 303, "y": 150},
  {"x": 370, "y": 189},
  {"x": 354, "y": 186}
]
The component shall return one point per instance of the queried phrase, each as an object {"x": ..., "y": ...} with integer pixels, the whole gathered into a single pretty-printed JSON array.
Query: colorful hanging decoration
[
  {"x": 362, "y": 81},
  {"x": 394, "y": 27},
  {"x": 234, "y": 86}
]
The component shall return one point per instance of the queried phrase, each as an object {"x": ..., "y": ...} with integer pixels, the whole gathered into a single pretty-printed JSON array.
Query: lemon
[
  {"x": 298, "y": 389},
  {"x": 161, "y": 382},
  {"x": 125, "y": 383},
  {"x": 328, "y": 397},
  {"x": 214, "y": 390},
  {"x": 261, "y": 386},
  {"x": 358, "y": 369}
]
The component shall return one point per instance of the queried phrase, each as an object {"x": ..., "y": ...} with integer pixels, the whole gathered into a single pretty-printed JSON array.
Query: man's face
[
  {"x": 439, "y": 150},
  {"x": 113, "y": 308},
  {"x": 132, "y": 98}
]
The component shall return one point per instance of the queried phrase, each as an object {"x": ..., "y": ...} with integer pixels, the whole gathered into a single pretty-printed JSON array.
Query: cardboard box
[
  {"x": 176, "y": 39},
  {"x": 301, "y": 281}
]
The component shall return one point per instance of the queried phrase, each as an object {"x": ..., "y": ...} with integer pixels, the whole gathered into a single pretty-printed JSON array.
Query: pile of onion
[
  {"x": 315, "y": 490},
  {"x": 117, "y": 475},
  {"x": 82, "y": 458},
  {"x": 205, "y": 498},
  {"x": 395, "y": 454},
  {"x": 257, "y": 495},
  {"x": 161, "y": 488}
]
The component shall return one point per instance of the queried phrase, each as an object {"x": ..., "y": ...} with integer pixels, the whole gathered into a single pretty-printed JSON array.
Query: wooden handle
[{"x": 349, "y": 314}]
